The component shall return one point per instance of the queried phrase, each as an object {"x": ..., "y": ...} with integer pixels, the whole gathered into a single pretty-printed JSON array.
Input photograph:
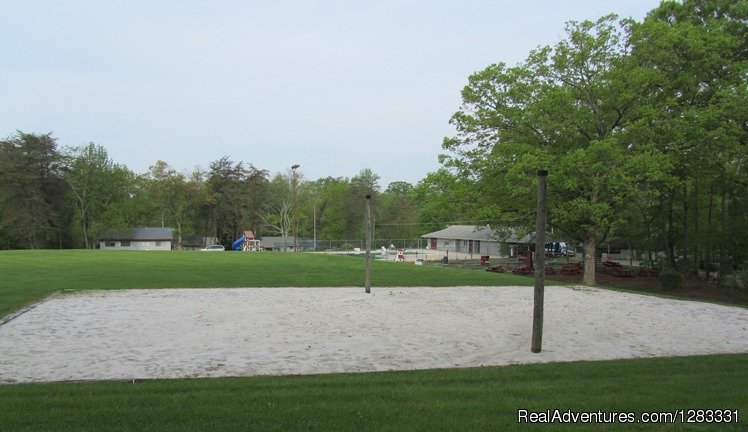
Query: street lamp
[{"x": 294, "y": 222}]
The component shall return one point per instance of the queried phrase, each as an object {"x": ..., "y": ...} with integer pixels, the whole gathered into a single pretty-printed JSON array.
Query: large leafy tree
[
  {"x": 565, "y": 109},
  {"x": 173, "y": 194},
  {"x": 445, "y": 198},
  {"x": 32, "y": 193},
  {"x": 278, "y": 214},
  {"x": 330, "y": 197},
  {"x": 695, "y": 117},
  {"x": 366, "y": 182},
  {"x": 641, "y": 125},
  {"x": 236, "y": 197},
  {"x": 99, "y": 189},
  {"x": 398, "y": 213}
]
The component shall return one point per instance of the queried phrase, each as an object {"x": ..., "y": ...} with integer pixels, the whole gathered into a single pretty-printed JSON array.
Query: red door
[{"x": 433, "y": 243}]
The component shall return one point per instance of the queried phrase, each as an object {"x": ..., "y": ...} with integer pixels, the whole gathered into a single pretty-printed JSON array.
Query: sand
[{"x": 145, "y": 334}]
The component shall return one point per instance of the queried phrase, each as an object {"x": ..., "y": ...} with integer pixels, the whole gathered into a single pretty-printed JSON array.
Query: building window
[
  {"x": 124, "y": 243},
  {"x": 110, "y": 244},
  {"x": 158, "y": 243}
]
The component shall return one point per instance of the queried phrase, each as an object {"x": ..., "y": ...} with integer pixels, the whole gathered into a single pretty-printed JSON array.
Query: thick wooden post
[
  {"x": 537, "y": 312},
  {"x": 367, "y": 282}
]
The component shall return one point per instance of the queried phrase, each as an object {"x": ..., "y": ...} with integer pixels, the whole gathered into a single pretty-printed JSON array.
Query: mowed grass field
[
  {"x": 29, "y": 276},
  {"x": 487, "y": 398},
  {"x": 479, "y": 399}
]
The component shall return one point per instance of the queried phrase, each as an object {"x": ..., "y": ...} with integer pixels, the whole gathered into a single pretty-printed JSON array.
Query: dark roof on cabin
[
  {"x": 468, "y": 232},
  {"x": 484, "y": 233},
  {"x": 137, "y": 234}
]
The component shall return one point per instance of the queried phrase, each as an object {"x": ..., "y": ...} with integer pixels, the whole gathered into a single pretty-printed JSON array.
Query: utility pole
[
  {"x": 294, "y": 222},
  {"x": 537, "y": 312},
  {"x": 314, "y": 217},
  {"x": 367, "y": 281}
]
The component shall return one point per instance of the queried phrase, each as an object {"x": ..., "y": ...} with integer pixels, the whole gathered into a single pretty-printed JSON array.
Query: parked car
[{"x": 213, "y": 248}]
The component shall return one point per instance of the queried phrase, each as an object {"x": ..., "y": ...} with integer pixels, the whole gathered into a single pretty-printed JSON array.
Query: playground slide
[{"x": 237, "y": 244}]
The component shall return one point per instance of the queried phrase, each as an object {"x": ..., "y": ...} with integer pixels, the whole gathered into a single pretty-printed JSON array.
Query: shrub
[
  {"x": 670, "y": 280},
  {"x": 738, "y": 280}
]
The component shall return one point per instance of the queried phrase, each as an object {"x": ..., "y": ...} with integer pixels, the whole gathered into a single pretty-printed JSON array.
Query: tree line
[
  {"x": 641, "y": 126},
  {"x": 54, "y": 197}
]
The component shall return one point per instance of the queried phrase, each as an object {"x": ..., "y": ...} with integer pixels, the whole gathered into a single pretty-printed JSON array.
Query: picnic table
[{"x": 522, "y": 270}]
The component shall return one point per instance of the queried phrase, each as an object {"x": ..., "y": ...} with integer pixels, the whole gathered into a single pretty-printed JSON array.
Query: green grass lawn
[
  {"x": 29, "y": 276},
  {"x": 477, "y": 399},
  {"x": 451, "y": 399}
]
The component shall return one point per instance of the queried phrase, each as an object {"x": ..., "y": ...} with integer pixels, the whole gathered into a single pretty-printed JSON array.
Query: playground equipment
[{"x": 246, "y": 242}]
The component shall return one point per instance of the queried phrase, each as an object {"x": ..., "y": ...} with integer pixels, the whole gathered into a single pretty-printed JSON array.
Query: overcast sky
[{"x": 335, "y": 86}]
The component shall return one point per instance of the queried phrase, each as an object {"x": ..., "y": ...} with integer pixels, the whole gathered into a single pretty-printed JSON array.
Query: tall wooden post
[
  {"x": 537, "y": 312},
  {"x": 367, "y": 283},
  {"x": 294, "y": 221}
]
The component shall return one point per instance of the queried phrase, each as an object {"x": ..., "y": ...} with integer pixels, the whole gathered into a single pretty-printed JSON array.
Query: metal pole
[
  {"x": 294, "y": 222},
  {"x": 537, "y": 312},
  {"x": 368, "y": 244}
]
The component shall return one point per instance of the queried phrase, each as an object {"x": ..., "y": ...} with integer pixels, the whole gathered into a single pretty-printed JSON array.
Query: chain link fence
[
  {"x": 408, "y": 250},
  {"x": 347, "y": 246}
]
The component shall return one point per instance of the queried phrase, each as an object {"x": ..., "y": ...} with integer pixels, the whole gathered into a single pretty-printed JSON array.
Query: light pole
[
  {"x": 314, "y": 220},
  {"x": 294, "y": 223}
]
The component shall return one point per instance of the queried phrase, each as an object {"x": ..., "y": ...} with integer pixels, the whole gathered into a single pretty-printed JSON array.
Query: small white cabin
[{"x": 136, "y": 239}]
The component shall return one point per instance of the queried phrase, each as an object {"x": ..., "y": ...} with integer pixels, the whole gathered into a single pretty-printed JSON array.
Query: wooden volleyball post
[
  {"x": 537, "y": 312},
  {"x": 367, "y": 282}
]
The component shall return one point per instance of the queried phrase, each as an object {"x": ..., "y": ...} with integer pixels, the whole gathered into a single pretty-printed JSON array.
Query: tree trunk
[
  {"x": 696, "y": 228},
  {"x": 666, "y": 215},
  {"x": 671, "y": 234},
  {"x": 685, "y": 269},
  {"x": 631, "y": 252},
  {"x": 85, "y": 231},
  {"x": 590, "y": 244},
  {"x": 708, "y": 257},
  {"x": 179, "y": 235},
  {"x": 723, "y": 268}
]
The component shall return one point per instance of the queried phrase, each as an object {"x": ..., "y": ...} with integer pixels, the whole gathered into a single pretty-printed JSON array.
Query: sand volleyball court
[{"x": 144, "y": 334}]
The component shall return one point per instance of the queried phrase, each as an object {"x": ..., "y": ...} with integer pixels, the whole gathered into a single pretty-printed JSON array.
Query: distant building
[
  {"x": 136, "y": 239},
  {"x": 484, "y": 241}
]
